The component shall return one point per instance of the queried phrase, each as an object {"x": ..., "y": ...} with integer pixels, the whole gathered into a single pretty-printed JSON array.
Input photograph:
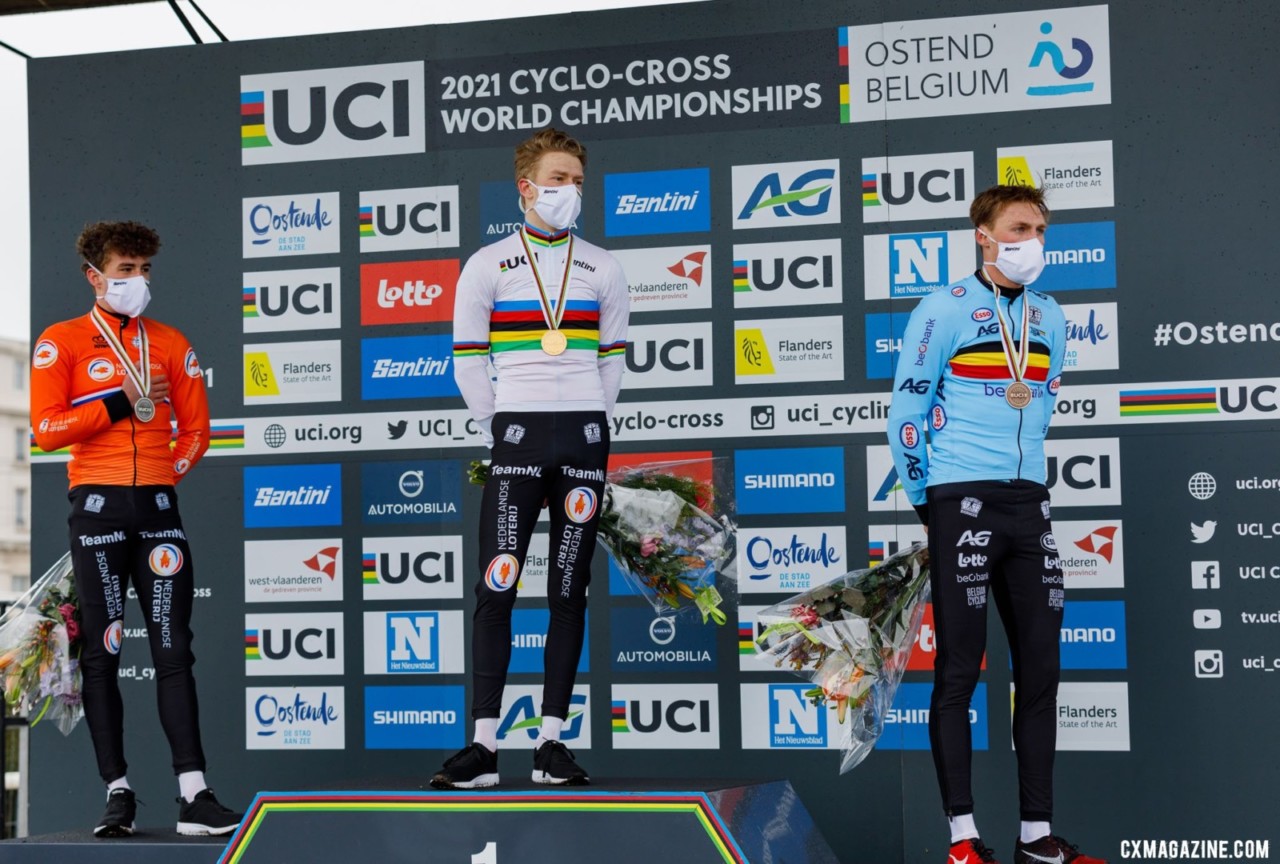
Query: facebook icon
[
  {"x": 413, "y": 642},
  {"x": 1204, "y": 574}
]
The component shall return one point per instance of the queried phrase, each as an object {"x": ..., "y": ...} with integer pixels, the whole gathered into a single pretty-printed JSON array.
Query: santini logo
[
  {"x": 270, "y": 496},
  {"x": 667, "y": 203},
  {"x": 811, "y": 480}
]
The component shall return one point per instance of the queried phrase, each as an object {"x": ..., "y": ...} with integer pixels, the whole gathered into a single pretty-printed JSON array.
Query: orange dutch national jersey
[{"x": 76, "y": 391}]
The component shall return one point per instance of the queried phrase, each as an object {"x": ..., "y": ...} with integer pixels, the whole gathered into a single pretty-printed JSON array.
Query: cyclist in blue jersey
[{"x": 973, "y": 396}]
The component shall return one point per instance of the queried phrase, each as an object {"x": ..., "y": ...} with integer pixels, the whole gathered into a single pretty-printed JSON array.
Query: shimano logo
[
  {"x": 101, "y": 539},
  {"x": 1075, "y": 256},
  {"x": 303, "y": 496},
  {"x": 812, "y": 480},
  {"x": 671, "y": 202},
  {"x": 1089, "y": 634},
  {"x": 409, "y": 717}
]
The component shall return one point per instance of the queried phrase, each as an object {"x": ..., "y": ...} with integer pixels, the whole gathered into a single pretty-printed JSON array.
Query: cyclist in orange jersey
[{"x": 109, "y": 385}]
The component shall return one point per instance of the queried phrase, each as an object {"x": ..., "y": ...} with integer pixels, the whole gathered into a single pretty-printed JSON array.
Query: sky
[{"x": 153, "y": 25}]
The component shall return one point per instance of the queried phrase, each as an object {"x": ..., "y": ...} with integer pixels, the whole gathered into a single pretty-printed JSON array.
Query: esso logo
[
  {"x": 191, "y": 364},
  {"x": 982, "y": 315},
  {"x": 937, "y": 418},
  {"x": 113, "y": 637},
  {"x": 503, "y": 573},
  {"x": 165, "y": 559},
  {"x": 909, "y": 436},
  {"x": 1055, "y": 385},
  {"x": 101, "y": 370},
  {"x": 959, "y": 291},
  {"x": 580, "y": 504}
]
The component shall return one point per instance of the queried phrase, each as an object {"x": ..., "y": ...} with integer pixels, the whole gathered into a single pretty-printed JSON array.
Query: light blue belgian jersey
[{"x": 949, "y": 390}]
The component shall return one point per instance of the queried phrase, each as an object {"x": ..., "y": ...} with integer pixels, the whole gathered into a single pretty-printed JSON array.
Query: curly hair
[
  {"x": 988, "y": 205},
  {"x": 130, "y": 239},
  {"x": 549, "y": 140}
]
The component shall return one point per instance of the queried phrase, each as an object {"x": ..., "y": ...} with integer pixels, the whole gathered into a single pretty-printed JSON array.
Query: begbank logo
[
  {"x": 408, "y": 492},
  {"x": 305, "y": 224},
  {"x": 281, "y": 496},
  {"x": 396, "y": 568},
  {"x": 786, "y": 194},
  {"x": 906, "y": 724},
  {"x": 667, "y": 277},
  {"x": 283, "y": 300},
  {"x": 425, "y": 217},
  {"x": 800, "y": 273},
  {"x": 279, "y": 373},
  {"x": 295, "y": 718},
  {"x": 1074, "y": 176},
  {"x": 529, "y": 641},
  {"x": 639, "y": 642},
  {"x": 665, "y": 716},
  {"x": 775, "y": 560},
  {"x": 657, "y": 202},
  {"x": 933, "y": 186},
  {"x": 301, "y": 644},
  {"x": 884, "y": 332},
  {"x": 668, "y": 355},
  {"x": 789, "y": 349},
  {"x": 415, "y": 642},
  {"x": 407, "y": 367},
  {"x": 292, "y": 570},
  {"x": 332, "y": 113},
  {"x": 913, "y": 265},
  {"x": 1093, "y": 635},
  {"x": 790, "y": 480},
  {"x": 408, "y": 292},
  {"x": 521, "y": 718},
  {"x": 414, "y": 718},
  {"x": 1078, "y": 255}
]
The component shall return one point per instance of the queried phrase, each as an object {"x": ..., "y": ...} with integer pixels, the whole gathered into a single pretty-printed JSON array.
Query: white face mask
[
  {"x": 126, "y": 296},
  {"x": 1020, "y": 262},
  {"x": 559, "y": 206}
]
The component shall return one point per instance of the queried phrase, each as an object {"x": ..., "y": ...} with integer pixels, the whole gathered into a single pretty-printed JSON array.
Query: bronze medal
[{"x": 1018, "y": 395}]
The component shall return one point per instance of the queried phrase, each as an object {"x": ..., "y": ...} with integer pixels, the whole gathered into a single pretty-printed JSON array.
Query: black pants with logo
[
  {"x": 995, "y": 535},
  {"x": 560, "y": 459},
  {"x": 119, "y": 533}
]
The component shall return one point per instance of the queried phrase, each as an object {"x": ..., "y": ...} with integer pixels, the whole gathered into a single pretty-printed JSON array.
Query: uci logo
[
  {"x": 674, "y": 355},
  {"x": 804, "y": 272},
  {"x": 309, "y": 643},
  {"x": 1079, "y": 472},
  {"x": 804, "y": 196},
  {"x": 426, "y": 217},
  {"x": 416, "y": 566},
  {"x": 305, "y": 299}
]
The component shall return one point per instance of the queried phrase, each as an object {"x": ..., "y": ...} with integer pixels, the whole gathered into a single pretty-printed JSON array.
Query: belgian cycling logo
[
  {"x": 165, "y": 559},
  {"x": 503, "y": 573},
  {"x": 191, "y": 364},
  {"x": 580, "y": 504},
  {"x": 45, "y": 355},
  {"x": 1047, "y": 49},
  {"x": 101, "y": 370},
  {"x": 113, "y": 637}
]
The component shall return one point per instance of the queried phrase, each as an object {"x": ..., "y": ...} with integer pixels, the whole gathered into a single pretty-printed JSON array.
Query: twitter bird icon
[
  {"x": 1203, "y": 533},
  {"x": 395, "y": 431}
]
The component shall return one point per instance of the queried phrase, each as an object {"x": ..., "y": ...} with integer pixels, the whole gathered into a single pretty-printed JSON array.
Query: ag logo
[
  {"x": 580, "y": 504},
  {"x": 974, "y": 538},
  {"x": 332, "y": 113},
  {"x": 911, "y": 385},
  {"x": 502, "y": 573},
  {"x": 165, "y": 559},
  {"x": 789, "y": 193},
  {"x": 101, "y": 370}
]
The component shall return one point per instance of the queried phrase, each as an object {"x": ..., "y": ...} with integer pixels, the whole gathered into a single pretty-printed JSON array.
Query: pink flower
[
  {"x": 68, "y": 612},
  {"x": 73, "y": 631},
  {"x": 806, "y": 615},
  {"x": 648, "y": 545}
]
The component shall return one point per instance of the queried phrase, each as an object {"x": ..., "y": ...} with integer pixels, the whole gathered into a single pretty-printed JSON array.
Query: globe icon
[
  {"x": 275, "y": 436},
  {"x": 1202, "y": 486}
]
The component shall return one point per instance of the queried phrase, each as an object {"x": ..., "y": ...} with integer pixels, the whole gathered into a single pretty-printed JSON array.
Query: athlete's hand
[{"x": 158, "y": 393}]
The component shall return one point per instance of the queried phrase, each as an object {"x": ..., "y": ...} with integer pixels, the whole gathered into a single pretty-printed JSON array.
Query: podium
[{"x": 630, "y": 822}]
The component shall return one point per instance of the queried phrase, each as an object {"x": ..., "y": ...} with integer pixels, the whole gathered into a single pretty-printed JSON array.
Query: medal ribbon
[
  {"x": 552, "y": 316},
  {"x": 142, "y": 378},
  {"x": 1016, "y": 358}
]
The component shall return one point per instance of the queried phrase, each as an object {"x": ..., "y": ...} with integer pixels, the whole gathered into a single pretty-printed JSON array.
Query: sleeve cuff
[
  {"x": 922, "y": 510},
  {"x": 118, "y": 406}
]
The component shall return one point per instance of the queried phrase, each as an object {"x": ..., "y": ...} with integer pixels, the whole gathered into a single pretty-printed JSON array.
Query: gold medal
[
  {"x": 1018, "y": 395},
  {"x": 554, "y": 342}
]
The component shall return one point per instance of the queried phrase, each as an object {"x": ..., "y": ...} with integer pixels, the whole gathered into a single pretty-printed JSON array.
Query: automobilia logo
[
  {"x": 303, "y": 224},
  {"x": 933, "y": 186},
  {"x": 640, "y": 642},
  {"x": 657, "y": 202},
  {"x": 408, "y": 492},
  {"x": 799, "y": 273},
  {"x": 667, "y": 277},
  {"x": 341, "y": 113},
  {"x": 786, "y": 194},
  {"x": 285, "y": 495},
  {"x": 1075, "y": 176},
  {"x": 283, "y": 300}
]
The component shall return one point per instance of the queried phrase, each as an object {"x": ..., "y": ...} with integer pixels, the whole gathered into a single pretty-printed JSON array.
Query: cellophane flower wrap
[
  {"x": 40, "y": 650},
  {"x": 657, "y": 524},
  {"x": 852, "y": 638}
]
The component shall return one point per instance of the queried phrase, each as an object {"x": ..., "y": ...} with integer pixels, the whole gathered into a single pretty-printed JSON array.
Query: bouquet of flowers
[
  {"x": 39, "y": 650},
  {"x": 655, "y": 523},
  {"x": 852, "y": 638}
]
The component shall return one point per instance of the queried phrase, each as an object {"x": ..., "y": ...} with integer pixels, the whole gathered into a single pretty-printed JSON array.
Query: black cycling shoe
[
  {"x": 553, "y": 763},
  {"x": 205, "y": 816},
  {"x": 122, "y": 809},
  {"x": 473, "y": 767}
]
